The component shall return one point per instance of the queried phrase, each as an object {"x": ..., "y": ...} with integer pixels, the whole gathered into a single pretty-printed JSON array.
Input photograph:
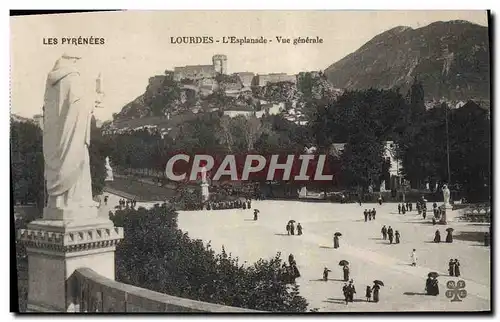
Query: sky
[{"x": 138, "y": 46}]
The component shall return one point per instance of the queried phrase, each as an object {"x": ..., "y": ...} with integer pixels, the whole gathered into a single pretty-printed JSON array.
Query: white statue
[
  {"x": 303, "y": 192},
  {"x": 370, "y": 189},
  {"x": 66, "y": 136},
  {"x": 204, "y": 185},
  {"x": 109, "y": 171},
  {"x": 382, "y": 186},
  {"x": 427, "y": 186},
  {"x": 446, "y": 195}
]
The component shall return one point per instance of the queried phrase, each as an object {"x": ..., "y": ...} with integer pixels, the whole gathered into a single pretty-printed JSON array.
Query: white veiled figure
[{"x": 68, "y": 106}]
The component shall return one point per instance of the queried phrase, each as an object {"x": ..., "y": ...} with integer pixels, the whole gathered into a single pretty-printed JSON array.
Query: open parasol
[
  {"x": 343, "y": 263},
  {"x": 256, "y": 210},
  {"x": 433, "y": 274},
  {"x": 337, "y": 234},
  {"x": 291, "y": 221},
  {"x": 378, "y": 282},
  {"x": 450, "y": 229}
]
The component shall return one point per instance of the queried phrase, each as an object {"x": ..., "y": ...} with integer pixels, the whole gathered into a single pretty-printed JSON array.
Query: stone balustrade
[{"x": 96, "y": 293}]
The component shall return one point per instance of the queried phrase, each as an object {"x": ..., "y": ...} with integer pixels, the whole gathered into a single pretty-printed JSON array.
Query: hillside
[{"x": 454, "y": 54}]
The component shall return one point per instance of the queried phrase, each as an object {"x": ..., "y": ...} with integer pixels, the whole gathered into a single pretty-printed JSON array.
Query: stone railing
[{"x": 96, "y": 293}]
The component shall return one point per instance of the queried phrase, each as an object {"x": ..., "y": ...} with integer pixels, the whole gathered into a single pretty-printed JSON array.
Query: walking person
[
  {"x": 373, "y": 212},
  {"x": 345, "y": 270},
  {"x": 365, "y": 213},
  {"x": 457, "y": 268},
  {"x": 413, "y": 257},
  {"x": 437, "y": 237},
  {"x": 375, "y": 289},
  {"x": 325, "y": 274},
  {"x": 397, "y": 236},
  {"x": 449, "y": 236},
  {"x": 351, "y": 290},
  {"x": 346, "y": 294},
  {"x": 299, "y": 229},
  {"x": 292, "y": 229},
  {"x": 368, "y": 293},
  {"x": 451, "y": 267},
  {"x": 288, "y": 229},
  {"x": 390, "y": 233},
  {"x": 336, "y": 242},
  {"x": 399, "y": 209},
  {"x": 384, "y": 232}
]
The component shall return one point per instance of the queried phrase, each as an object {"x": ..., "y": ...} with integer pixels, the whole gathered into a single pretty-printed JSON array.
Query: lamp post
[{"x": 447, "y": 145}]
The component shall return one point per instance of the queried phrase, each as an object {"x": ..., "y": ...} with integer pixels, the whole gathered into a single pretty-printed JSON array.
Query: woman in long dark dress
[
  {"x": 428, "y": 286},
  {"x": 397, "y": 237},
  {"x": 335, "y": 242},
  {"x": 451, "y": 267},
  {"x": 435, "y": 287},
  {"x": 449, "y": 237},
  {"x": 457, "y": 268},
  {"x": 345, "y": 269},
  {"x": 375, "y": 289},
  {"x": 437, "y": 237}
]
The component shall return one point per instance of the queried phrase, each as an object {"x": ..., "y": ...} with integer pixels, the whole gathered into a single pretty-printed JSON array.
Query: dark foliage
[{"x": 158, "y": 256}]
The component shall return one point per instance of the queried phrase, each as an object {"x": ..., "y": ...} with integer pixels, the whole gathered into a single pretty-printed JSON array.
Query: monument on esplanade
[
  {"x": 71, "y": 234},
  {"x": 205, "y": 194},
  {"x": 109, "y": 171}
]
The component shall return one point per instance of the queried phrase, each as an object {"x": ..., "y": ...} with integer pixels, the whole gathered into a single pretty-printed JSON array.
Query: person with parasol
[
  {"x": 345, "y": 269},
  {"x": 449, "y": 236},
  {"x": 431, "y": 284},
  {"x": 288, "y": 228},
  {"x": 256, "y": 214},
  {"x": 437, "y": 236},
  {"x": 336, "y": 240},
  {"x": 376, "y": 288}
]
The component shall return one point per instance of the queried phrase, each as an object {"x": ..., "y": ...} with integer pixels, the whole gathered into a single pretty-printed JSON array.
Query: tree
[
  {"x": 156, "y": 255},
  {"x": 27, "y": 163},
  {"x": 362, "y": 162},
  {"x": 98, "y": 151}
]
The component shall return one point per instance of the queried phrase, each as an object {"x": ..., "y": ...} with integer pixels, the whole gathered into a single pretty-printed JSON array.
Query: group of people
[
  {"x": 389, "y": 233},
  {"x": 290, "y": 228},
  {"x": 125, "y": 203},
  {"x": 454, "y": 267},
  {"x": 235, "y": 204},
  {"x": 349, "y": 290},
  {"x": 404, "y": 208},
  {"x": 449, "y": 236},
  {"x": 375, "y": 289},
  {"x": 369, "y": 214},
  {"x": 291, "y": 272}
]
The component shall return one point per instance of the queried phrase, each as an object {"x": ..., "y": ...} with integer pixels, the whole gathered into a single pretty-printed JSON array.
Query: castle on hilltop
[
  {"x": 196, "y": 72},
  {"x": 219, "y": 66}
]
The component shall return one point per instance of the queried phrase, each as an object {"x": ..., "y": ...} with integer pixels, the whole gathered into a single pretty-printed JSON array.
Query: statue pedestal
[{"x": 57, "y": 247}]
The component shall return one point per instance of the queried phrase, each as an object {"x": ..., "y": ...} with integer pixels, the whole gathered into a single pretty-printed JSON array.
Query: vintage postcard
[{"x": 251, "y": 161}]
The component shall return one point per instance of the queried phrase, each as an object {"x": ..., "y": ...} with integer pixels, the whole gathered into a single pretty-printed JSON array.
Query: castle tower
[{"x": 220, "y": 63}]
